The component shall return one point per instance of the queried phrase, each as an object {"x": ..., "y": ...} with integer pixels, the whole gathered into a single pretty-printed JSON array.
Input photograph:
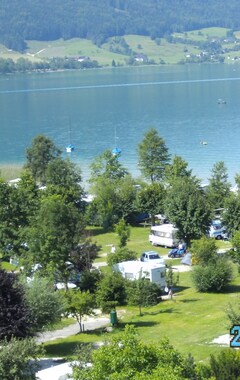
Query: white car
[{"x": 152, "y": 257}]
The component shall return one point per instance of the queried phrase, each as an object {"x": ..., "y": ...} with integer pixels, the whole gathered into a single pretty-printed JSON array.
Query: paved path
[{"x": 90, "y": 324}]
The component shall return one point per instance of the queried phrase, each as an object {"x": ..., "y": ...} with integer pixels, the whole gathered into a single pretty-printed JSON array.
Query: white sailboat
[{"x": 70, "y": 148}]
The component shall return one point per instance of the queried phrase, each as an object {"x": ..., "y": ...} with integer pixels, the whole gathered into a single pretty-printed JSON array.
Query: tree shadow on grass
[
  {"x": 94, "y": 232},
  {"x": 190, "y": 300},
  {"x": 179, "y": 289},
  {"x": 121, "y": 326},
  {"x": 231, "y": 289}
]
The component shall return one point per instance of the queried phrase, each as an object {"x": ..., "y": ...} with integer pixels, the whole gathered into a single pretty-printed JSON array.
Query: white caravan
[
  {"x": 134, "y": 270},
  {"x": 165, "y": 235}
]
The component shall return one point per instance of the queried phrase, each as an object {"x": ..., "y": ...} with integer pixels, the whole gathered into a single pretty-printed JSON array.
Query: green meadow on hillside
[{"x": 158, "y": 51}]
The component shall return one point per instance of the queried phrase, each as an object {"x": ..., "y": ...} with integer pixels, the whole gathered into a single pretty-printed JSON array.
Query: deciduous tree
[
  {"x": 186, "y": 206},
  {"x": 55, "y": 233},
  {"x": 151, "y": 198},
  {"x": 80, "y": 304},
  {"x": 39, "y": 155}
]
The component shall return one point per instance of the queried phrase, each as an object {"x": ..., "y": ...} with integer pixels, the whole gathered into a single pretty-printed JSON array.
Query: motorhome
[
  {"x": 164, "y": 235},
  {"x": 134, "y": 270}
]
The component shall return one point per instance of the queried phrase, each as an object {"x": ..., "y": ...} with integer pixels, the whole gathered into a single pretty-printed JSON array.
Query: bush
[
  {"x": 121, "y": 254},
  {"x": 46, "y": 306},
  {"x": 233, "y": 313},
  {"x": 204, "y": 251},
  {"x": 142, "y": 292},
  {"x": 19, "y": 359},
  {"x": 14, "y": 313},
  {"x": 213, "y": 277},
  {"x": 111, "y": 292},
  {"x": 226, "y": 366}
]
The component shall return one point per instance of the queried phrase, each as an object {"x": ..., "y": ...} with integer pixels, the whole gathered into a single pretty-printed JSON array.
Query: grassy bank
[{"x": 10, "y": 171}]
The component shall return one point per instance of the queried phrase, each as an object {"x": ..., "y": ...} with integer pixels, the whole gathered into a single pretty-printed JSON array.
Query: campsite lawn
[{"x": 191, "y": 321}]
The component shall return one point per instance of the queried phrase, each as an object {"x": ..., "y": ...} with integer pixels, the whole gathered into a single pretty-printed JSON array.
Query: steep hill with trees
[{"x": 22, "y": 20}]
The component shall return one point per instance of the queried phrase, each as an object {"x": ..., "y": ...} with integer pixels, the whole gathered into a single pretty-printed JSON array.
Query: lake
[{"x": 116, "y": 106}]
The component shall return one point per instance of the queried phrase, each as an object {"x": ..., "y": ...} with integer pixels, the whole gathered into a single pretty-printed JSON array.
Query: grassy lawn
[
  {"x": 191, "y": 321},
  {"x": 138, "y": 241}
]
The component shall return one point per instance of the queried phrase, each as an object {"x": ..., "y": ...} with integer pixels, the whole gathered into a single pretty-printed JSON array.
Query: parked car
[
  {"x": 217, "y": 230},
  {"x": 152, "y": 257}
]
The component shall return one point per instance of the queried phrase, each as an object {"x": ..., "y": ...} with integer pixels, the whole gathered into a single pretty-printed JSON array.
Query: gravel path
[{"x": 89, "y": 324}]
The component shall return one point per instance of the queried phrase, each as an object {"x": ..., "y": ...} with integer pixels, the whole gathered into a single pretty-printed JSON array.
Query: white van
[{"x": 165, "y": 235}]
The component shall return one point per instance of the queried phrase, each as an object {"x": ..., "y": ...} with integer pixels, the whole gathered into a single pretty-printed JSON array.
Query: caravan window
[{"x": 161, "y": 234}]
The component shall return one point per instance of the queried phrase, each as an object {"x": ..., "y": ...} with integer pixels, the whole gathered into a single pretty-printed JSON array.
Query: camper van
[
  {"x": 165, "y": 235},
  {"x": 134, "y": 270}
]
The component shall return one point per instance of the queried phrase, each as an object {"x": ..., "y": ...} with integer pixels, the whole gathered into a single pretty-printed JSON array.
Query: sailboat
[
  {"x": 70, "y": 146},
  {"x": 116, "y": 151}
]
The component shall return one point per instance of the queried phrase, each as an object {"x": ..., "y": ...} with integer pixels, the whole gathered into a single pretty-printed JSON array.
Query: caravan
[
  {"x": 165, "y": 235},
  {"x": 134, "y": 270}
]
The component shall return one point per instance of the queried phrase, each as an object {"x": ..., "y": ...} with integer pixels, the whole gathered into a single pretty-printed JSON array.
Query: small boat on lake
[
  {"x": 116, "y": 151},
  {"x": 203, "y": 142},
  {"x": 70, "y": 148},
  {"x": 221, "y": 101}
]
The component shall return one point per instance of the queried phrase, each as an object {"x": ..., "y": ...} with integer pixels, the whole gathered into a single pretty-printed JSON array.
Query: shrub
[
  {"x": 226, "y": 366},
  {"x": 213, "y": 277},
  {"x": 19, "y": 359},
  {"x": 121, "y": 254}
]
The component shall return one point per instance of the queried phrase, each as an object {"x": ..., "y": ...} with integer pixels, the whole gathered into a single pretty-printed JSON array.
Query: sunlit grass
[{"x": 191, "y": 321}]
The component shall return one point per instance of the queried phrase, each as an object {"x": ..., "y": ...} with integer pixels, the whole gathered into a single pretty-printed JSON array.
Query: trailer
[
  {"x": 134, "y": 270},
  {"x": 164, "y": 235}
]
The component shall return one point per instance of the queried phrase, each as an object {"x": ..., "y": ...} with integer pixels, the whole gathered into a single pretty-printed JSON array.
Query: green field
[{"x": 157, "y": 51}]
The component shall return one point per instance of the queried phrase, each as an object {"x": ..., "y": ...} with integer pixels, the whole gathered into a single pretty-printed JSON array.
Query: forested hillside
[{"x": 97, "y": 20}]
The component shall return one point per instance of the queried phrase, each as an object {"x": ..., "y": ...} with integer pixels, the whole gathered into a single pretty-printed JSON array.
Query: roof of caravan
[
  {"x": 136, "y": 266},
  {"x": 164, "y": 227}
]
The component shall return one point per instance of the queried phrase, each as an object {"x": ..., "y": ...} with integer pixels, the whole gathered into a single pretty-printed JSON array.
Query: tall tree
[
  {"x": 55, "y": 233},
  {"x": 107, "y": 166},
  {"x": 39, "y": 155},
  {"x": 187, "y": 207},
  {"x": 219, "y": 187},
  {"x": 153, "y": 156},
  {"x": 177, "y": 169},
  {"x": 231, "y": 215},
  {"x": 64, "y": 178}
]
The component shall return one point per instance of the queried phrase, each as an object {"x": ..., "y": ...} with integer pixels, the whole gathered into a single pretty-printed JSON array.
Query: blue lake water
[{"x": 181, "y": 102}]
